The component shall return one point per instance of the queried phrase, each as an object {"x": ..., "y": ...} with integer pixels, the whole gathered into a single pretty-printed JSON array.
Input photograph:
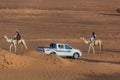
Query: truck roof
[{"x": 60, "y": 43}]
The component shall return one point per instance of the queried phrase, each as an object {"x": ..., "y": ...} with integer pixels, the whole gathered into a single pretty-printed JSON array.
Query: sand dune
[
  {"x": 10, "y": 60},
  {"x": 46, "y": 59}
]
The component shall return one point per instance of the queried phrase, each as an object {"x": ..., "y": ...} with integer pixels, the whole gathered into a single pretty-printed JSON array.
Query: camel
[
  {"x": 96, "y": 42},
  {"x": 15, "y": 42}
]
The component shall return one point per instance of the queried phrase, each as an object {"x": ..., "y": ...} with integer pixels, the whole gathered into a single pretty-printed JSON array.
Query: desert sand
[{"x": 41, "y": 22}]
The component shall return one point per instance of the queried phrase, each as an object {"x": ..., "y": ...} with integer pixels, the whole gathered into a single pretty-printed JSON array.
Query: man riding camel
[
  {"x": 17, "y": 35},
  {"x": 93, "y": 37}
]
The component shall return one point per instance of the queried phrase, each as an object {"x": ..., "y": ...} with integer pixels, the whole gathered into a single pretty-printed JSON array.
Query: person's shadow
[
  {"x": 100, "y": 61},
  {"x": 110, "y": 14},
  {"x": 115, "y": 51}
]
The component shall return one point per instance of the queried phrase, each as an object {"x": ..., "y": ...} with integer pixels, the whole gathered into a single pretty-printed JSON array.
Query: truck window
[
  {"x": 61, "y": 46},
  {"x": 52, "y": 45},
  {"x": 67, "y": 47}
]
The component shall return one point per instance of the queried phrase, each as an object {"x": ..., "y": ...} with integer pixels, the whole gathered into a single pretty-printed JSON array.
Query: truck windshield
[{"x": 52, "y": 45}]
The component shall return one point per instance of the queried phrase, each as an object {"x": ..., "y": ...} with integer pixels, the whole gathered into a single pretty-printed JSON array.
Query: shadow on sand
[
  {"x": 112, "y": 14},
  {"x": 115, "y": 51},
  {"x": 94, "y": 76},
  {"x": 100, "y": 61}
]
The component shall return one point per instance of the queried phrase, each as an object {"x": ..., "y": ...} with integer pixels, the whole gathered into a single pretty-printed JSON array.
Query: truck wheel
[
  {"x": 76, "y": 56},
  {"x": 52, "y": 53}
]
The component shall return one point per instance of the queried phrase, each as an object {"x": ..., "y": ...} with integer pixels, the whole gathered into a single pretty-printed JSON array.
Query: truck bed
[{"x": 41, "y": 49}]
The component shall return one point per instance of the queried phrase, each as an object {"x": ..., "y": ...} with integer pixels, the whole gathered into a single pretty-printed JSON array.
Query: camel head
[
  {"x": 5, "y": 36},
  {"x": 84, "y": 40},
  {"x": 8, "y": 40}
]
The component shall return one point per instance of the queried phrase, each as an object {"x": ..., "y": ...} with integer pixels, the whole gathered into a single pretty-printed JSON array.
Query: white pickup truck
[{"x": 61, "y": 49}]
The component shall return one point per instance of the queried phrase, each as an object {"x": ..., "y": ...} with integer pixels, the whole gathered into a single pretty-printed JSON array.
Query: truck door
[
  {"x": 63, "y": 50},
  {"x": 60, "y": 49},
  {"x": 68, "y": 50}
]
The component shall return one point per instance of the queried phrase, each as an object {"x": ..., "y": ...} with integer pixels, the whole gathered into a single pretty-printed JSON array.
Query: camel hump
[{"x": 96, "y": 39}]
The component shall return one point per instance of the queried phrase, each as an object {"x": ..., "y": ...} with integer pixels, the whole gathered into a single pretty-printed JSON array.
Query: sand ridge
[
  {"x": 9, "y": 60},
  {"x": 48, "y": 59}
]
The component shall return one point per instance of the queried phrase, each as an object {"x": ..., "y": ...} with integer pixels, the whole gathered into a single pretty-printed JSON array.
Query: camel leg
[
  {"x": 93, "y": 50},
  {"x": 89, "y": 49},
  {"x": 10, "y": 47},
  {"x": 25, "y": 46},
  {"x": 21, "y": 47},
  {"x": 15, "y": 48},
  {"x": 101, "y": 47}
]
